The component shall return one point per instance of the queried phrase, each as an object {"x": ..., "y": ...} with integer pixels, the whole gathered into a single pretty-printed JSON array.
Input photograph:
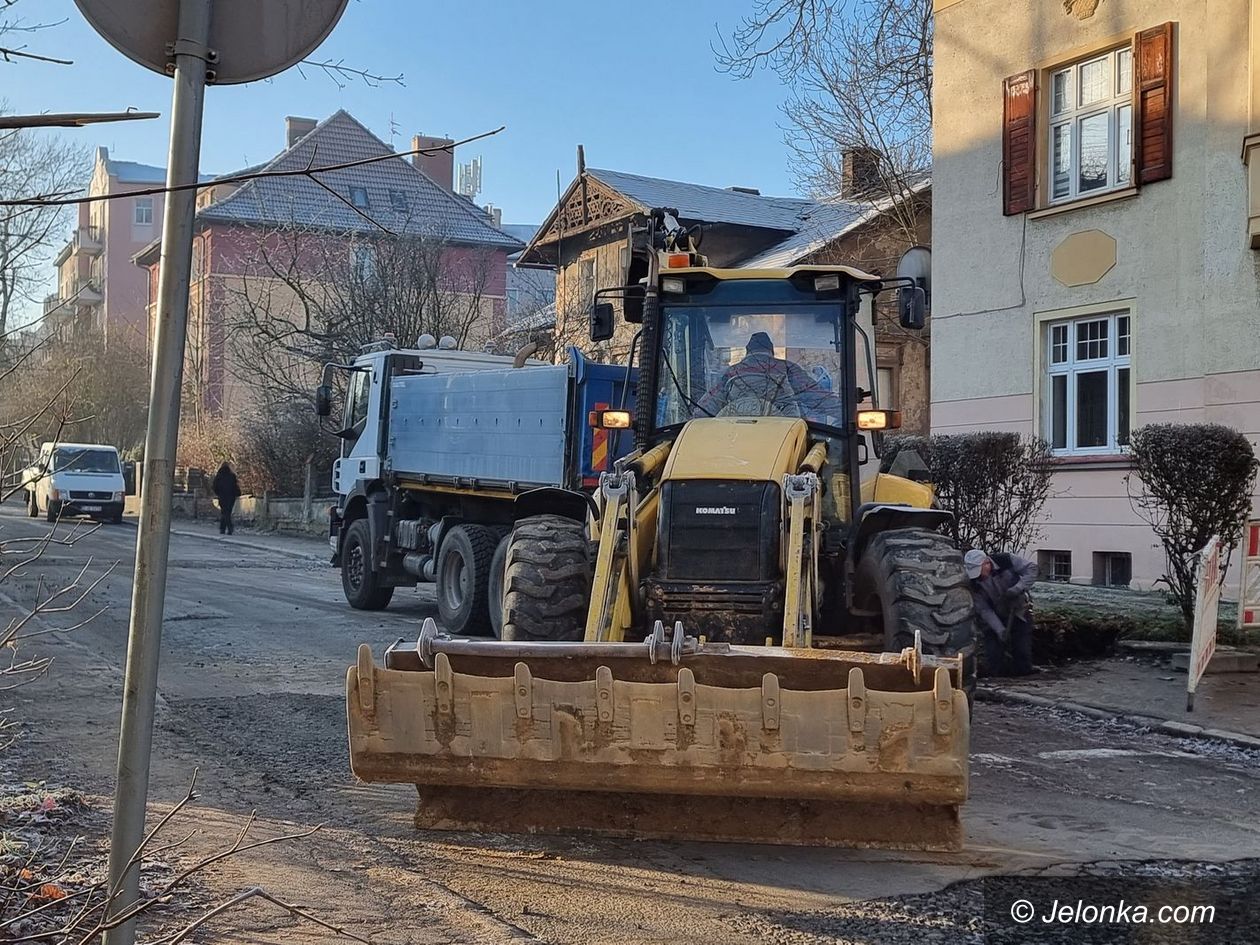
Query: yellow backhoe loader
[{"x": 688, "y": 652}]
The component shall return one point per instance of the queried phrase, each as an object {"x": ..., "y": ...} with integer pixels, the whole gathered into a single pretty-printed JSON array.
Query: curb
[
  {"x": 1164, "y": 726},
  {"x": 246, "y": 543}
]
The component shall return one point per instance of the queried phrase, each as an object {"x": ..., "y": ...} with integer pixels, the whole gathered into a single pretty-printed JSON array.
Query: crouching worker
[{"x": 999, "y": 586}]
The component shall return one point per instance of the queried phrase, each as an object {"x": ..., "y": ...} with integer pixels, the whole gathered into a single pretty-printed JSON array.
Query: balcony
[
  {"x": 51, "y": 302},
  {"x": 89, "y": 293},
  {"x": 87, "y": 240}
]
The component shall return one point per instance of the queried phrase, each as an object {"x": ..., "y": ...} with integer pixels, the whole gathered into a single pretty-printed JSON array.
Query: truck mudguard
[{"x": 552, "y": 501}]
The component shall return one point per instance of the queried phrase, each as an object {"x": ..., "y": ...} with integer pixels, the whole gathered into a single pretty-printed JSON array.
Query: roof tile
[{"x": 399, "y": 195}]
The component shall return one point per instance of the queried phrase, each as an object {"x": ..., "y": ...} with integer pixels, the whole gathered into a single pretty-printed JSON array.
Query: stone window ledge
[
  {"x": 1053, "y": 210},
  {"x": 1100, "y": 461}
]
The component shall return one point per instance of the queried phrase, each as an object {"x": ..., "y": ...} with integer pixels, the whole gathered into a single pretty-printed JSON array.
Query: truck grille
[
  {"x": 719, "y": 531},
  {"x": 104, "y": 496}
]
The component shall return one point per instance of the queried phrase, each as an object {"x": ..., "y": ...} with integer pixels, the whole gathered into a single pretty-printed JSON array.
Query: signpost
[
  {"x": 1207, "y": 600},
  {"x": 194, "y": 42},
  {"x": 1249, "y": 591}
]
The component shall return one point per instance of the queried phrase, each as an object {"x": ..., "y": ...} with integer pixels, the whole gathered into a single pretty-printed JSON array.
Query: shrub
[
  {"x": 267, "y": 447},
  {"x": 1191, "y": 481},
  {"x": 995, "y": 484}
]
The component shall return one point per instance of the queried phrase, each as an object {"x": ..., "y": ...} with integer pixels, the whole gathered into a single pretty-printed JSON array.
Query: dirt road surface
[{"x": 256, "y": 645}]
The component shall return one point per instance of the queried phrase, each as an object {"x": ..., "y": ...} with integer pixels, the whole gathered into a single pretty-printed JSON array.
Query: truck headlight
[{"x": 116, "y": 497}]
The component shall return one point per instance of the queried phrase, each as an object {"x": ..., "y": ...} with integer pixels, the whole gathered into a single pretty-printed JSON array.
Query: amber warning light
[
  {"x": 610, "y": 419},
  {"x": 878, "y": 419}
]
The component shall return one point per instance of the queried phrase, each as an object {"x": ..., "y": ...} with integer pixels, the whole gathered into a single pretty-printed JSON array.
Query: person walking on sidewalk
[
  {"x": 999, "y": 587},
  {"x": 227, "y": 490}
]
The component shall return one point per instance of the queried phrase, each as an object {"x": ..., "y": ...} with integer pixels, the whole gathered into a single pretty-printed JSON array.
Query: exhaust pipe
[{"x": 524, "y": 353}]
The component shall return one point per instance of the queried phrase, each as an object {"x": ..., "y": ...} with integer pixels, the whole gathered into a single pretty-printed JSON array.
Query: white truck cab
[{"x": 75, "y": 479}]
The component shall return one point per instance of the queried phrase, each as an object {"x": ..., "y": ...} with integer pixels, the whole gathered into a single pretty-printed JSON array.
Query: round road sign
[{"x": 254, "y": 39}]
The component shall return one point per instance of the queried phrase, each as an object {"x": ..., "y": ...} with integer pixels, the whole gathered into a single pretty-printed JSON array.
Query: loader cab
[{"x": 753, "y": 344}]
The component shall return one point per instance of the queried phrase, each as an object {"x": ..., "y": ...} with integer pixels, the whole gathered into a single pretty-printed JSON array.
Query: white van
[{"x": 75, "y": 479}]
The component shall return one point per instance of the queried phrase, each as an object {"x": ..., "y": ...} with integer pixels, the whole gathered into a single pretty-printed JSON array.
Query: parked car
[{"x": 75, "y": 479}]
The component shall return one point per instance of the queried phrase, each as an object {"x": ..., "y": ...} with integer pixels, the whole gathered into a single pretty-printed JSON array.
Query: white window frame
[
  {"x": 1118, "y": 98},
  {"x": 143, "y": 207},
  {"x": 1075, "y": 362}
]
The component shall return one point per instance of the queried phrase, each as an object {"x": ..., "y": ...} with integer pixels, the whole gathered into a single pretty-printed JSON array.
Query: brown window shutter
[
  {"x": 1153, "y": 103},
  {"x": 1019, "y": 143}
]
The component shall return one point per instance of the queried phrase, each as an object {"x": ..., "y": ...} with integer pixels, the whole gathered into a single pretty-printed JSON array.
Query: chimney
[
  {"x": 859, "y": 173},
  {"x": 495, "y": 214},
  {"x": 295, "y": 129},
  {"x": 439, "y": 165}
]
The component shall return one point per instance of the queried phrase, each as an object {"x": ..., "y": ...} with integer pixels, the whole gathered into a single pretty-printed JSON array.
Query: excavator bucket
[{"x": 668, "y": 739}]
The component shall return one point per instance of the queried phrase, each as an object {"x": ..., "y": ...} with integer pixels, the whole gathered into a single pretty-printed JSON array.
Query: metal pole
[{"x": 135, "y": 742}]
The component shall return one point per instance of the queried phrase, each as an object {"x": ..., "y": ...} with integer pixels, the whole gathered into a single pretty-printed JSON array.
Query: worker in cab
[
  {"x": 999, "y": 587},
  {"x": 761, "y": 385}
]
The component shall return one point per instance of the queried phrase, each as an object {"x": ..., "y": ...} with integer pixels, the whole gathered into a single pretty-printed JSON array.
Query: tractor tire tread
[
  {"x": 928, "y": 591},
  {"x": 547, "y": 580}
]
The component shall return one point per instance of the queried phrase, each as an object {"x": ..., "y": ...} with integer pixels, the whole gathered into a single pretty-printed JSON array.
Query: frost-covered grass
[{"x": 1129, "y": 614}]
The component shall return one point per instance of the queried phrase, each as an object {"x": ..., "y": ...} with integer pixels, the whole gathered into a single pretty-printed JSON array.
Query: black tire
[
  {"x": 32, "y": 505},
  {"x": 494, "y": 589},
  {"x": 918, "y": 578},
  {"x": 53, "y": 512},
  {"x": 546, "y": 579},
  {"x": 463, "y": 579},
  {"x": 116, "y": 518},
  {"x": 359, "y": 582}
]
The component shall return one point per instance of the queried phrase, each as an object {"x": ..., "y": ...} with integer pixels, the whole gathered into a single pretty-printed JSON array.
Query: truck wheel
[
  {"x": 547, "y": 580},
  {"x": 463, "y": 579},
  {"x": 32, "y": 505},
  {"x": 359, "y": 581},
  {"x": 918, "y": 577},
  {"x": 53, "y": 512},
  {"x": 494, "y": 589}
]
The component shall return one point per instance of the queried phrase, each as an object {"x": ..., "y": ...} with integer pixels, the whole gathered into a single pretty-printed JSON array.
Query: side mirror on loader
[
  {"x": 603, "y": 321},
  {"x": 323, "y": 400},
  {"x": 913, "y": 303},
  {"x": 915, "y": 272}
]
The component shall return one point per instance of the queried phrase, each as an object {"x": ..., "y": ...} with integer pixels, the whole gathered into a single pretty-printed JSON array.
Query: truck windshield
[
  {"x": 73, "y": 459},
  {"x": 747, "y": 361}
]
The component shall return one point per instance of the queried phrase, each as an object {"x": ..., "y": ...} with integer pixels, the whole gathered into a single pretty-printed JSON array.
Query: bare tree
[
  {"x": 14, "y": 28},
  {"x": 104, "y": 404},
  {"x": 32, "y": 162},
  {"x": 860, "y": 74},
  {"x": 309, "y": 296}
]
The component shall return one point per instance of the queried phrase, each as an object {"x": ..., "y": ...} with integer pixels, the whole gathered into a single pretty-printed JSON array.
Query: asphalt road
[{"x": 256, "y": 645}]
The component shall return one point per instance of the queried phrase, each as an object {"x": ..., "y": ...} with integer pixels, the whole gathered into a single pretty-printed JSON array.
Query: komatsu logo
[{"x": 716, "y": 510}]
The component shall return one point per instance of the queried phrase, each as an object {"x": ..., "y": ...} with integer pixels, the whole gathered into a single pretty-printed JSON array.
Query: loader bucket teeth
[{"x": 759, "y": 744}]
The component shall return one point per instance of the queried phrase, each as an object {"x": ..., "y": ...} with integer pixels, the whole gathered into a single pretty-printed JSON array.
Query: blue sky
[{"x": 634, "y": 83}]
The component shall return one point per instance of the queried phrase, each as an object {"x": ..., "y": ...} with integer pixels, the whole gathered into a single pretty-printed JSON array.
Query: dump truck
[
  {"x": 442, "y": 450},
  {"x": 687, "y": 654}
]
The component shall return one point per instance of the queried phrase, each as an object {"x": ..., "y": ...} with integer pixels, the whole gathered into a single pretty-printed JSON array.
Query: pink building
[
  {"x": 94, "y": 269},
  {"x": 239, "y": 224}
]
